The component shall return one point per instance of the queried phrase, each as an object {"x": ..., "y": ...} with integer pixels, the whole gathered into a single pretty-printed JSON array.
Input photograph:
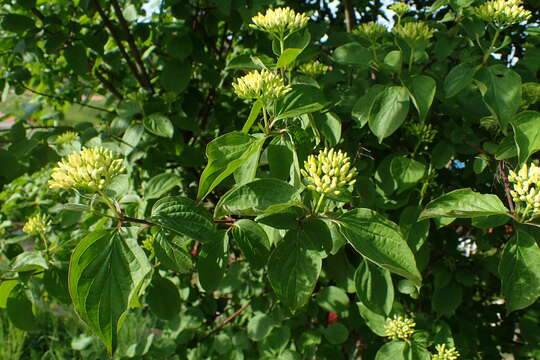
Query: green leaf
[
  {"x": 293, "y": 269},
  {"x": 379, "y": 240},
  {"x": 159, "y": 124},
  {"x": 333, "y": 299},
  {"x": 441, "y": 154},
  {"x": 393, "y": 60},
  {"x": 519, "y": 270},
  {"x": 175, "y": 76},
  {"x": 389, "y": 111},
  {"x": 160, "y": 184},
  {"x": 352, "y": 54},
  {"x": 287, "y": 57},
  {"x": 422, "y": 91},
  {"x": 459, "y": 78},
  {"x": 446, "y": 299},
  {"x": 212, "y": 262},
  {"x": 527, "y": 134},
  {"x": 502, "y": 92},
  {"x": 302, "y": 99},
  {"x": 256, "y": 197},
  {"x": 20, "y": 310},
  {"x": 406, "y": 172},
  {"x": 170, "y": 252},
  {"x": 253, "y": 114},
  {"x": 415, "y": 351},
  {"x": 29, "y": 261},
  {"x": 463, "y": 203},
  {"x": 374, "y": 287},
  {"x": 393, "y": 350},
  {"x": 226, "y": 154},
  {"x": 259, "y": 326},
  {"x": 106, "y": 274},
  {"x": 17, "y": 23},
  {"x": 280, "y": 154},
  {"x": 253, "y": 241},
  {"x": 77, "y": 59},
  {"x": 363, "y": 106},
  {"x": 183, "y": 217},
  {"x": 330, "y": 126},
  {"x": 336, "y": 333},
  {"x": 5, "y": 289},
  {"x": 163, "y": 298}
]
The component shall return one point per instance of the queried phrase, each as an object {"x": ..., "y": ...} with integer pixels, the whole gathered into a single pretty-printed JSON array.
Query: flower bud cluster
[
  {"x": 313, "y": 68},
  {"x": 425, "y": 133},
  {"x": 329, "y": 172},
  {"x": 37, "y": 224},
  {"x": 279, "y": 22},
  {"x": 399, "y": 327},
  {"x": 400, "y": 8},
  {"x": 414, "y": 33},
  {"x": 370, "y": 31},
  {"x": 66, "y": 138},
  {"x": 526, "y": 187},
  {"x": 444, "y": 353},
  {"x": 91, "y": 169},
  {"x": 503, "y": 13},
  {"x": 263, "y": 85}
]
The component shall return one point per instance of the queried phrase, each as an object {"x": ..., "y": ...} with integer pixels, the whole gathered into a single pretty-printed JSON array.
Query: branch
[
  {"x": 64, "y": 99},
  {"x": 228, "y": 319},
  {"x": 479, "y": 149},
  {"x": 109, "y": 25},
  {"x": 132, "y": 46},
  {"x": 349, "y": 15},
  {"x": 38, "y": 14},
  {"x": 108, "y": 85},
  {"x": 506, "y": 186}
]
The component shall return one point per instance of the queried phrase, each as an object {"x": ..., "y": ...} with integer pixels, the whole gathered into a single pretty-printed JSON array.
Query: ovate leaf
[
  {"x": 302, "y": 99},
  {"x": 353, "y": 54},
  {"x": 163, "y": 298},
  {"x": 256, "y": 197},
  {"x": 182, "y": 216},
  {"x": 458, "y": 79},
  {"x": 226, "y": 154},
  {"x": 519, "y": 270},
  {"x": 463, "y": 203},
  {"x": 77, "y": 59},
  {"x": 159, "y": 124},
  {"x": 170, "y": 252},
  {"x": 160, "y": 184},
  {"x": 379, "y": 240},
  {"x": 501, "y": 91},
  {"x": 374, "y": 287},
  {"x": 393, "y": 350},
  {"x": 293, "y": 269},
  {"x": 106, "y": 274},
  {"x": 212, "y": 262},
  {"x": 422, "y": 91},
  {"x": 389, "y": 110},
  {"x": 29, "y": 261},
  {"x": 20, "y": 310},
  {"x": 527, "y": 134},
  {"x": 287, "y": 57},
  {"x": 253, "y": 241}
]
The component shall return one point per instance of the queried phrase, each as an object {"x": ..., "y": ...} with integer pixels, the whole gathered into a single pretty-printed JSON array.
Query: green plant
[{"x": 263, "y": 184}]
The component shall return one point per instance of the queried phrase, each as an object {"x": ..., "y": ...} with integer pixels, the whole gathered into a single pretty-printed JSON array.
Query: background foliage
[{"x": 243, "y": 270}]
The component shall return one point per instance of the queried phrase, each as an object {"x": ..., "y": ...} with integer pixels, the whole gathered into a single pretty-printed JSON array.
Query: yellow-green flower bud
[
  {"x": 399, "y": 327},
  {"x": 330, "y": 171},
  {"x": 279, "y": 22},
  {"x": 425, "y": 133},
  {"x": 263, "y": 85},
  {"x": 370, "y": 31},
  {"x": 400, "y": 8},
  {"x": 444, "y": 353},
  {"x": 313, "y": 68},
  {"x": 416, "y": 34},
  {"x": 66, "y": 138},
  {"x": 503, "y": 13},
  {"x": 37, "y": 224},
  {"x": 90, "y": 169},
  {"x": 526, "y": 189}
]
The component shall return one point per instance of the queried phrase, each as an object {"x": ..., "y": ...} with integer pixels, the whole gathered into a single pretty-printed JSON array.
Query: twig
[
  {"x": 506, "y": 186},
  {"x": 108, "y": 85},
  {"x": 228, "y": 319},
  {"x": 64, "y": 99},
  {"x": 132, "y": 46},
  {"x": 479, "y": 149},
  {"x": 118, "y": 41},
  {"x": 38, "y": 14},
  {"x": 349, "y": 15}
]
